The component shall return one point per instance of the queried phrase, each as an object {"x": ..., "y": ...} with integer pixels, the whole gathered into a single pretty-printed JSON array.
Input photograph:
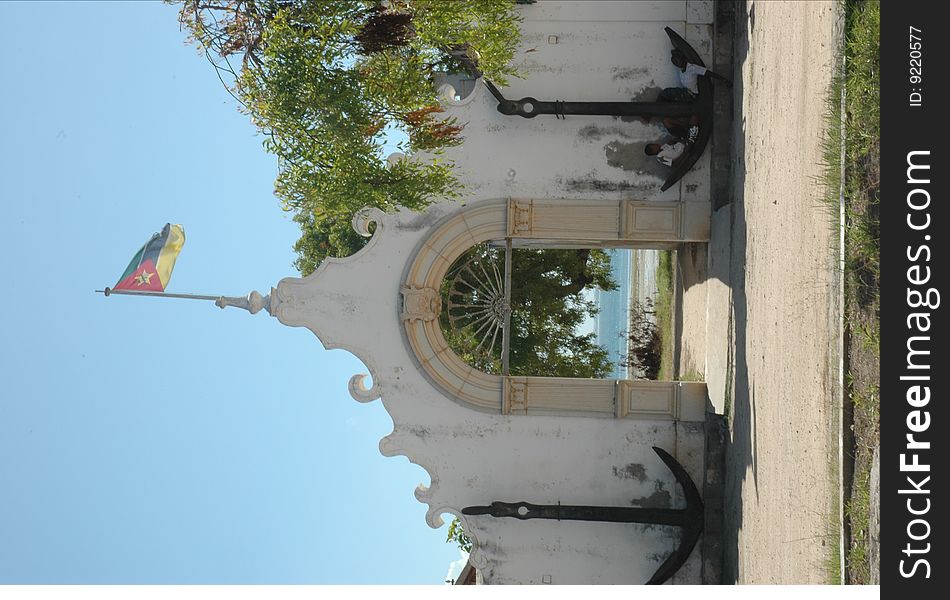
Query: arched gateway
[{"x": 548, "y": 223}]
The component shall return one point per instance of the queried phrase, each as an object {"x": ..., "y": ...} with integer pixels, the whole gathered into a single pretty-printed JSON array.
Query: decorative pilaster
[
  {"x": 609, "y": 222},
  {"x": 520, "y": 218},
  {"x": 515, "y": 396}
]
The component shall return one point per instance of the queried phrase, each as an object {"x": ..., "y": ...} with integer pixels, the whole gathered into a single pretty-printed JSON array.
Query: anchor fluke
[{"x": 692, "y": 520}]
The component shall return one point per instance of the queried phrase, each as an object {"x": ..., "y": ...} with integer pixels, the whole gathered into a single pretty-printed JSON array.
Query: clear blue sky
[{"x": 155, "y": 440}]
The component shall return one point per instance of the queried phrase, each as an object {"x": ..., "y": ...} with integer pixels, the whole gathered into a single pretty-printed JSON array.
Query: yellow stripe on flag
[{"x": 169, "y": 253}]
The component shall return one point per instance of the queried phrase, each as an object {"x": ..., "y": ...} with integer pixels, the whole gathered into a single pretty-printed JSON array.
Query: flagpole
[
  {"x": 252, "y": 303},
  {"x": 110, "y": 291}
]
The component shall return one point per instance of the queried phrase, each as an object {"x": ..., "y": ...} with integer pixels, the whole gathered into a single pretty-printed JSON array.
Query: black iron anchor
[
  {"x": 702, "y": 107},
  {"x": 690, "y": 519}
]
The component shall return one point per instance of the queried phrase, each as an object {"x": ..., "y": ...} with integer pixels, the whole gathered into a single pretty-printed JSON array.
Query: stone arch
[{"x": 545, "y": 222}]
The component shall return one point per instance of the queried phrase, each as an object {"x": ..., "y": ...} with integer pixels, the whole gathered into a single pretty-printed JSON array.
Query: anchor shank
[
  {"x": 625, "y": 109},
  {"x": 614, "y": 514},
  {"x": 529, "y": 108}
]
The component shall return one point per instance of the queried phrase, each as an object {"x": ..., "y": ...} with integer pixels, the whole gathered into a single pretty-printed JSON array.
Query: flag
[{"x": 152, "y": 265}]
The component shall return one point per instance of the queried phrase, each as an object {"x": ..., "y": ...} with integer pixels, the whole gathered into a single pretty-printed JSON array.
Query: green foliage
[
  {"x": 858, "y": 511},
  {"x": 457, "y": 535},
  {"x": 546, "y": 308},
  {"x": 863, "y": 151},
  {"x": 863, "y": 80},
  {"x": 321, "y": 237},
  {"x": 323, "y": 80},
  {"x": 488, "y": 29}
]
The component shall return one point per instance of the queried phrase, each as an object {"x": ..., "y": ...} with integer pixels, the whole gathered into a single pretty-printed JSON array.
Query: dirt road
[{"x": 781, "y": 493}]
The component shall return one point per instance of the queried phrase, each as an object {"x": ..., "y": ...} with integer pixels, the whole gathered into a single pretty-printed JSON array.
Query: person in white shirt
[
  {"x": 684, "y": 132},
  {"x": 667, "y": 153},
  {"x": 689, "y": 73},
  {"x": 688, "y": 77}
]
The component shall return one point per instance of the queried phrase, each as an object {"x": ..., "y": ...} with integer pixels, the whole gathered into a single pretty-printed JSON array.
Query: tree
[
  {"x": 324, "y": 81},
  {"x": 645, "y": 344},
  {"x": 547, "y": 306},
  {"x": 457, "y": 535},
  {"x": 322, "y": 236}
]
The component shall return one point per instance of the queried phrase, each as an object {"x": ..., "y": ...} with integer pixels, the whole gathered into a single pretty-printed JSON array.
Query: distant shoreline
[
  {"x": 643, "y": 266},
  {"x": 635, "y": 274}
]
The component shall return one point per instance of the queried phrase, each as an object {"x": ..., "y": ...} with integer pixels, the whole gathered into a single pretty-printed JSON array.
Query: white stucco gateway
[
  {"x": 483, "y": 438},
  {"x": 574, "y": 182},
  {"x": 552, "y": 223}
]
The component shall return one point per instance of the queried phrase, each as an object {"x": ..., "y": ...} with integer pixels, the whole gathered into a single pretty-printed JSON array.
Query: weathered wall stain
[
  {"x": 630, "y": 157},
  {"x": 603, "y": 185},
  {"x": 648, "y": 93},
  {"x": 628, "y": 72},
  {"x": 631, "y": 471},
  {"x": 527, "y": 66},
  {"x": 660, "y": 498},
  {"x": 424, "y": 221},
  {"x": 420, "y": 432},
  {"x": 592, "y": 133}
]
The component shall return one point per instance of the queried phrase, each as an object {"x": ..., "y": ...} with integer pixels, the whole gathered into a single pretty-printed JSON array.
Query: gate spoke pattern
[{"x": 476, "y": 308}]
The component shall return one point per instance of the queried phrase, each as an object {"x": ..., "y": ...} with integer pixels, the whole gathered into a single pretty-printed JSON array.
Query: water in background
[{"x": 635, "y": 274}]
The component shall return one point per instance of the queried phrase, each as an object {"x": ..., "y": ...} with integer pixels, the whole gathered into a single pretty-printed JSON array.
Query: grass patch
[
  {"x": 832, "y": 176},
  {"x": 862, "y": 151},
  {"x": 691, "y": 376},
  {"x": 862, "y": 269},
  {"x": 663, "y": 308},
  {"x": 857, "y": 124},
  {"x": 858, "y": 511},
  {"x": 867, "y": 401},
  {"x": 832, "y": 563}
]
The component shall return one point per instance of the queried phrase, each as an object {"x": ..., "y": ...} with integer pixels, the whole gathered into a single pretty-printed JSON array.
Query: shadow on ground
[{"x": 741, "y": 445}]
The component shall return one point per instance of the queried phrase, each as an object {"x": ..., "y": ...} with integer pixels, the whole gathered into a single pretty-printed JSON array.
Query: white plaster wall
[{"x": 604, "y": 51}]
